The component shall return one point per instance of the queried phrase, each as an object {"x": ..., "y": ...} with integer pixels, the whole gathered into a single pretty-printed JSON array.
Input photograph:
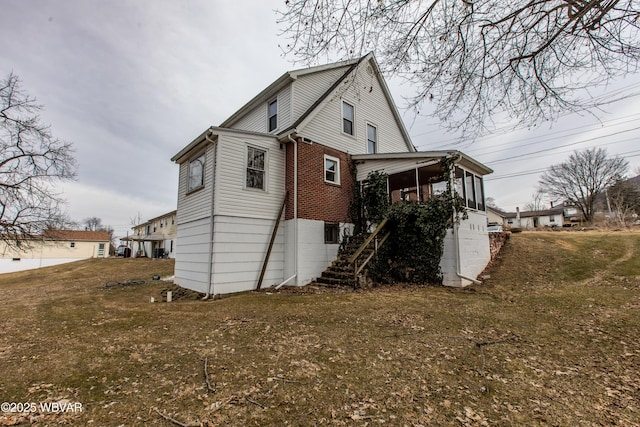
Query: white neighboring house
[
  {"x": 529, "y": 220},
  {"x": 55, "y": 247},
  {"x": 155, "y": 238},
  {"x": 283, "y": 166}
]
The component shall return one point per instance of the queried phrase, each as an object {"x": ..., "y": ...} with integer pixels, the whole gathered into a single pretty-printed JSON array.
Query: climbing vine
[{"x": 415, "y": 246}]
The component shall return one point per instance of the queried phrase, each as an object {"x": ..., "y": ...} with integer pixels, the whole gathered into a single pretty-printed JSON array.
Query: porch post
[{"x": 417, "y": 184}]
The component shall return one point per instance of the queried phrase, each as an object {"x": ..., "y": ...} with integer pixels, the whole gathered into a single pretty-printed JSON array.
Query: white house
[
  {"x": 154, "y": 238},
  {"x": 265, "y": 196},
  {"x": 54, "y": 247}
]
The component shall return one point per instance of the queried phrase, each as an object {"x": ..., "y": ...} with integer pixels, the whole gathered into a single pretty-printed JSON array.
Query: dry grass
[{"x": 550, "y": 339}]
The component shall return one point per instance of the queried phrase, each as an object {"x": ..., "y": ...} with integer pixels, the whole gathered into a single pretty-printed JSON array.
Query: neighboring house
[
  {"x": 528, "y": 220},
  {"x": 155, "y": 238},
  {"x": 287, "y": 164},
  {"x": 496, "y": 216},
  {"x": 55, "y": 247}
]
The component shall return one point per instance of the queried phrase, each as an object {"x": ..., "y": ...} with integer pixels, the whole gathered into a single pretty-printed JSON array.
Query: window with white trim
[
  {"x": 272, "y": 115},
  {"x": 331, "y": 169},
  {"x": 256, "y": 171},
  {"x": 196, "y": 173},
  {"x": 348, "y": 117},
  {"x": 372, "y": 139}
]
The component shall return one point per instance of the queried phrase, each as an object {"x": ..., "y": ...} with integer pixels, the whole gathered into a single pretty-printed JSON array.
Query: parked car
[
  {"x": 123, "y": 252},
  {"x": 494, "y": 229}
]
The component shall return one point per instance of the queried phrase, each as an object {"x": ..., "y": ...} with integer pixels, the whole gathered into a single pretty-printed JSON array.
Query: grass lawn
[{"x": 551, "y": 338}]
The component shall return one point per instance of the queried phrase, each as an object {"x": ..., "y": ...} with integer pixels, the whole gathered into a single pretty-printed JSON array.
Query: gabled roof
[
  {"x": 290, "y": 76},
  {"x": 558, "y": 210},
  {"x": 275, "y": 87},
  {"x": 76, "y": 235},
  {"x": 212, "y": 132}
]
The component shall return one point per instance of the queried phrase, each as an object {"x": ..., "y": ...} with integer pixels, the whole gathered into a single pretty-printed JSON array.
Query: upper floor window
[
  {"x": 256, "y": 173},
  {"x": 272, "y": 115},
  {"x": 372, "y": 139},
  {"x": 348, "y": 115},
  {"x": 331, "y": 169},
  {"x": 196, "y": 173}
]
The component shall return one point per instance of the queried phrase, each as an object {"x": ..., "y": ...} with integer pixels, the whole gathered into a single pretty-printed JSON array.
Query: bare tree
[
  {"x": 93, "y": 224},
  {"x": 537, "y": 202},
  {"x": 624, "y": 201},
  {"x": 475, "y": 59},
  {"x": 584, "y": 176},
  {"x": 31, "y": 161}
]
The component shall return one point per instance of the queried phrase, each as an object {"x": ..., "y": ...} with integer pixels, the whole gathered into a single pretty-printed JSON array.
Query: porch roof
[{"x": 464, "y": 160}]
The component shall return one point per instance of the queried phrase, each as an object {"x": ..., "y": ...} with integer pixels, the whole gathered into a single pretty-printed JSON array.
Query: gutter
[
  {"x": 211, "y": 230},
  {"x": 295, "y": 207}
]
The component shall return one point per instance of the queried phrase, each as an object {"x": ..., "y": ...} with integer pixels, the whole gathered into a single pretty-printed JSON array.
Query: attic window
[
  {"x": 72, "y": 244},
  {"x": 272, "y": 115},
  {"x": 348, "y": 115}
]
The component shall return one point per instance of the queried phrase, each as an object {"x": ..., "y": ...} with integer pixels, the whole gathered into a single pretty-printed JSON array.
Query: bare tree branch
[
  {"x": 528, "y": 61},
  {"x": 583, "y": 177},
  {"x": 31, "y": 161}
]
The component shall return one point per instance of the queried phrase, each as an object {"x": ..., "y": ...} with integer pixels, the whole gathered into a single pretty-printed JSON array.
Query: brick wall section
[{"x": 317, "y": 199}]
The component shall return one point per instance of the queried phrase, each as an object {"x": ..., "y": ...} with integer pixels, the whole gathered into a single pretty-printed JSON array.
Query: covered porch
[{"x": 419, "y": 175}]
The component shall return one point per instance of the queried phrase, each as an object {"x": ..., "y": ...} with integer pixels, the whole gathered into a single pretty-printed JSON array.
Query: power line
[{"x": 562, "y": 146}]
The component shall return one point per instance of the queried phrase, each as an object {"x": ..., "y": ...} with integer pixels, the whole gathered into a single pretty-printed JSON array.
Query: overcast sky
[{"x": 132, "y": 82}]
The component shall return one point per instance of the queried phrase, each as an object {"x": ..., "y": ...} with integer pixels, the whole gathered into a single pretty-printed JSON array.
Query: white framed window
[
  {"x": 272, "y": 115},
  {"x": 256, "y": 175},
  {"x": 348, "y": 118},
  {"x": 372, "y": 139},
  {"x": 196, "y": 173},
  {"x": 331, "y": 169}
]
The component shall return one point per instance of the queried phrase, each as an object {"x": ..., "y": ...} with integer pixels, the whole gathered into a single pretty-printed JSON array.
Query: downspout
[
  {"x": 213, "y": 190},
  {"x": 456, "y": 226},
  {"x": 295, "y": 208}
]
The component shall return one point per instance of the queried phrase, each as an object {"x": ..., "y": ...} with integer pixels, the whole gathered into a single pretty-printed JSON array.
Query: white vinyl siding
[
  {"x": 192, "y": 255},
  {"x": 366, "y": 95},
  {"x": 257, "y": 121},
  {"x": 307, "y": 89},
  {"x": 232, "y": 196},
  {"x": 239, "y": 249},
  {"x": 196, "y": 205}
]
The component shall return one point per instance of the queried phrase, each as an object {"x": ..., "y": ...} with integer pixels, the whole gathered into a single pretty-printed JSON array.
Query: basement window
[{"x": 331, "y": 233}]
